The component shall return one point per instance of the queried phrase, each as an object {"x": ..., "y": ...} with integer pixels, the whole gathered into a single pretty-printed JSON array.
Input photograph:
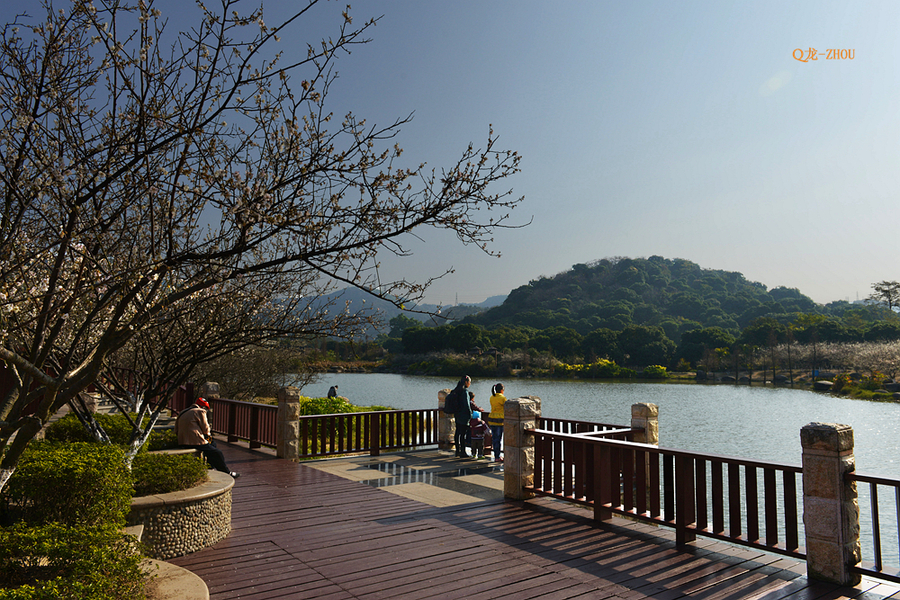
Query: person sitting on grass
[{"x": 192, "y": 429}]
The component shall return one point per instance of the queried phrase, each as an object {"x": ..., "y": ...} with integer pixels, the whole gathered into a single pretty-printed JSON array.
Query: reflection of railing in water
[{"x": 746, "y": 502}]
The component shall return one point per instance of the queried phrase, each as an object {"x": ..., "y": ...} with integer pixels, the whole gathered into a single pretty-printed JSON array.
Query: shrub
[
  {"x": 840, "y": 382},
  {"x": 602, "y": 368},
  {"x": 164, "y": 473},
  {"x": 56, "y": 561},
  {"x": 683, "y": 366},
  {"x": 324, "y": 406},
  {"x": 655, "y": 372},
  {"x": 117, "y": 427},
  {"x": 72, "y": 500},
  {"x": 871, "y": 383},
  {"x": 97, "y": 485},
  {"x": 162, "y": 440}
]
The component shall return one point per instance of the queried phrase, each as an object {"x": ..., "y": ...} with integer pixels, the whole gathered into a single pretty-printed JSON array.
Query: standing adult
[
  {"x": 192, "y": 428},
  {"x": 495, "y": 419},
  {"x": 463, "y": 416}
]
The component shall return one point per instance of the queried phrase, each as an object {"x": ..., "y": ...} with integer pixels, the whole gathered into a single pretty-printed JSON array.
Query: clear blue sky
[
  {"x": 679, "y": 129},
  {"x": 685, "y": 130}
]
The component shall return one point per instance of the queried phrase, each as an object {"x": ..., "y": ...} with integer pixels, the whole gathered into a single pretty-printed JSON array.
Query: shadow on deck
[{"x": 431, "y": 526}]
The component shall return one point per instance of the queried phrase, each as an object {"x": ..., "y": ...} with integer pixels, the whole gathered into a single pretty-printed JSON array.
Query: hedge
[
  {"x": 163, "y": 473},
  {"x": 117, "y": 427},
  {"x": 57, "y": 561},
  {"x": 71, "y": 501},
  {"x": 96, "y": 483}
]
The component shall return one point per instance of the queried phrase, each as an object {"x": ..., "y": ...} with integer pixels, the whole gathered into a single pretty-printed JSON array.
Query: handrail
[
  {"x": 372, "y": 432},
  {"x": 876, "y": 567},
  {"x": 326, "y": 435},
  {"x": 697, "y": 494}
]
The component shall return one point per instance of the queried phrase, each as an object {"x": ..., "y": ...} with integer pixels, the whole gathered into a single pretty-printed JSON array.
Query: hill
[{"x": 674, "y": 294}]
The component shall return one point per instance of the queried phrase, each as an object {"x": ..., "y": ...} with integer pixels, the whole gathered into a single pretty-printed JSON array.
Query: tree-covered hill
[
  {"x": 674, "y": 294},
  {"x": 640, "y": 312}
]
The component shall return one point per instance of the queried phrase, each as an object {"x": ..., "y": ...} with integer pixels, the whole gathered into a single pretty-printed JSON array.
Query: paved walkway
[{"x": 426, "y": 525}]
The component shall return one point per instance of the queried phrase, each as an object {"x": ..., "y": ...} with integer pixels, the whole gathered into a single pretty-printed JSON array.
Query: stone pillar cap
[{"x": 827, "y": 436}]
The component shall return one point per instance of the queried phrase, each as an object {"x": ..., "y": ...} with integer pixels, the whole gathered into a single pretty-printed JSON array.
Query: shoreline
[{"x": 781, "y": 379}]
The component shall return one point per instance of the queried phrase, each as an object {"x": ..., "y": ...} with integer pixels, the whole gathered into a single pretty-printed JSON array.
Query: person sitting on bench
[{"x": 193, "y": 431}]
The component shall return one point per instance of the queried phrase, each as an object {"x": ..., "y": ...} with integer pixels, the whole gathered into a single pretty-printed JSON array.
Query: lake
[{"x": 762, "y": 423}]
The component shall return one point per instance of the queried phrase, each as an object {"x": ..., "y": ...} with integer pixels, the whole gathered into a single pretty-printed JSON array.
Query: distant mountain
[
  {"x": 360, "y": 300},
  {"x": 492, "y": 301}
]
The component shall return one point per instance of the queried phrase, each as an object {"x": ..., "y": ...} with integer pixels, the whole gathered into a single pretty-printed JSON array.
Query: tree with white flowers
[{"x": 154, "y": 182}]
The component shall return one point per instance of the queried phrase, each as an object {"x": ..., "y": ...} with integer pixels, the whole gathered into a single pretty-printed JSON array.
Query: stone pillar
[
  {"x": 518, "y": 446},
  {"x": 287, "y": 425},
  {"x": 830, "y": 507},
  {"x": 446, "y": 424},
  {"x": 645, "y": 416},
  {"x": 209, "y": 390}
]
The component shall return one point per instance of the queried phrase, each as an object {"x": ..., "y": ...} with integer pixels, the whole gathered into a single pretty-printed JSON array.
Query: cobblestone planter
[{"x": 182, "y": 522}]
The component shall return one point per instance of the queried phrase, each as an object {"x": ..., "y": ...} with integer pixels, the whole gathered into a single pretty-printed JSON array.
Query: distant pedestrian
[
  {"x": 495, "y": 419},
  {"x": 332, "y": 391}
]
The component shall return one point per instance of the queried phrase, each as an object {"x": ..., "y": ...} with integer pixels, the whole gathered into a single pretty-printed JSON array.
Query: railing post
[
  {"x": 231, "y": 426},
  {"x": 601, "y": 478},
  {"x": 375, "y": 435},
  {"x": 645, "y": 415},
  {"x": 685, "y": 510},
  {"x": 287, "y": 424},
  {"x": 446, "y": 424},
  {"x": 518, "y": 445},
  {"x": 210, "y": 390},
  {"x": 830, "y": 505},
  {"x": 254, "y": 428}
]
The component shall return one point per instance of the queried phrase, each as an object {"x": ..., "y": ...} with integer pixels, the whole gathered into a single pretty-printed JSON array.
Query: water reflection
[{"x": 446, "y": 478}]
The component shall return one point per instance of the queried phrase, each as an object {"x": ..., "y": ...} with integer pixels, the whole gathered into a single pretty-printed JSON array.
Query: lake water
[{"x": 762, "y": 423}]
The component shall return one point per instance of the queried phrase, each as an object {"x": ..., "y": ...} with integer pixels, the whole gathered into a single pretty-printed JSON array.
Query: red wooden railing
[
  {"x": 882, "y": 507},
  {"x": 714, "y": 496},
  {"x": 746, "y": 502},
  {"x": 372, "y": 432},
  {"x": 619, "y": 432},
  {"x": 322, "y": 435}
]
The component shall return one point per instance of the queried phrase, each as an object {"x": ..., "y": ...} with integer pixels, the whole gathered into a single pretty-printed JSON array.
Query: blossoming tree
[{"x": 146, "y": 172}]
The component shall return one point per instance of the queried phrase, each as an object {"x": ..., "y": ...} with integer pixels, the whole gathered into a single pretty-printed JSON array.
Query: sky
[{"x": 695, "y": 130}]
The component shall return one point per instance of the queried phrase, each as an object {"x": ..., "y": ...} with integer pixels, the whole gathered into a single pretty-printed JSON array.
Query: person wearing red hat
[{"x": 192, "y": 428}]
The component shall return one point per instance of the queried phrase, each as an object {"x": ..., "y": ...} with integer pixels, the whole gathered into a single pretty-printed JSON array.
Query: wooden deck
[{"x": 301, "y": 532}]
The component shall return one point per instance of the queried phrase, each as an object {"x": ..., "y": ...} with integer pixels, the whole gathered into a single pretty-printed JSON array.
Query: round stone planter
[{"x": 182, "y": 522}]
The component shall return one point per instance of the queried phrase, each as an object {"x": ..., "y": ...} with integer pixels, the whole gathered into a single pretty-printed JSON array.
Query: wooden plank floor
[{"x": 299, "y": 532}]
